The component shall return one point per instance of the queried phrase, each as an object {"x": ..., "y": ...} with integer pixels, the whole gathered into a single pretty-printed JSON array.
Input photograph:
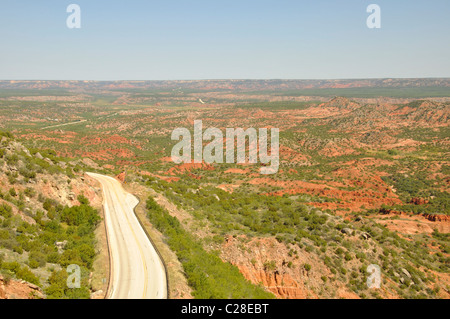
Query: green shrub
[
  {"x": 30, "y": 192},
  {"x": 33, "y": 263},
  {"x": 270, "y": 265},
  {"x": 21, "y": 272},
  {"x": 5, "y": 210},
  {"x": 4, "y": 234},
  {"x": 37, "y": 258},
  {"x": 58, "y": 289},
  {"x": 12, "y": 192},
  {"x": 53, "y": 258}
]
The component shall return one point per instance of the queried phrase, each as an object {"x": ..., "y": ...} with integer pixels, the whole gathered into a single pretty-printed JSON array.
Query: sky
[{"x": 223, "y": 39}]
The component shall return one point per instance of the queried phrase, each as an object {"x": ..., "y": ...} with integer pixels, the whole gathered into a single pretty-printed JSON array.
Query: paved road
[
  {"x": 63, "y": 124},
  {"x": 137, "y": 271}
]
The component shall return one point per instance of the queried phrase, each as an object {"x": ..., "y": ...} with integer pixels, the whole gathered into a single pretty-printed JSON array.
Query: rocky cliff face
[
  {"x": 281, "y": 269},
  {"x": 281, "y": 285}
]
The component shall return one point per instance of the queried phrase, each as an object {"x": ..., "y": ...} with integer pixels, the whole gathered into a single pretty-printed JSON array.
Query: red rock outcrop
[
  {"x": 437, "y": 218},
  {"x": 121, "y": 177},
  {"x": 281, "y": 285},
  {"x": 419, "y": 201},
  {"x": 278, "y": 268},
  {"x": 13, "y": 289}
]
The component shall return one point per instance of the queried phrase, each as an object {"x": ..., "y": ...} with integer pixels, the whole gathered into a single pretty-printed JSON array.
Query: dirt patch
[
  {"x": 188, "y": 167},
  {"x": 411, "y": 224},
  {"x": 237, "y": 171}
]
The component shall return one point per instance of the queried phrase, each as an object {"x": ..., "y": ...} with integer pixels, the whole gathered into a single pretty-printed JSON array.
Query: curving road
[{"x": 137, "y": 272}]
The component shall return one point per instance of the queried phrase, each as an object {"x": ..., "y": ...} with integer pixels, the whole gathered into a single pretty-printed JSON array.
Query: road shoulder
[
  {"x": 178, "y": 286},
  {"x": 101, "y": 265}
]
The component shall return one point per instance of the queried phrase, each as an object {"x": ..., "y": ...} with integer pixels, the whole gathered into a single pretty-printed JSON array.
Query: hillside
[{"x": 46, "y": 223}]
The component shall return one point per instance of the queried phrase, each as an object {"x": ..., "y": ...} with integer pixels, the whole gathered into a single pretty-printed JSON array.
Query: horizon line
[{"x": 235, "y": 79}]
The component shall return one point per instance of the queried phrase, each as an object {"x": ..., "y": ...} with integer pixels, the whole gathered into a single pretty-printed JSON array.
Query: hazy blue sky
[{"x": 218, "y": 39}]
